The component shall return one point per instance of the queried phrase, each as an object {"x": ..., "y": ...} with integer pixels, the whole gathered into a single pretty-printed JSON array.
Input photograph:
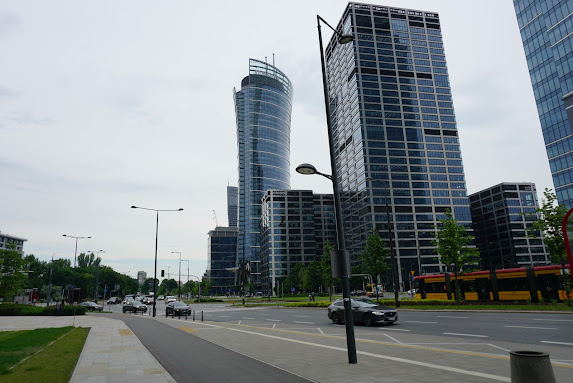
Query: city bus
[{"x": 518, "y": 284}]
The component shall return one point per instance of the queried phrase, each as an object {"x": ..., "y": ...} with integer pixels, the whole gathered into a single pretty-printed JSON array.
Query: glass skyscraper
[
  {"x": 546, "y": 30},
  {"x": 263, "y": 112},
  {"x": 395, "y": 132}
]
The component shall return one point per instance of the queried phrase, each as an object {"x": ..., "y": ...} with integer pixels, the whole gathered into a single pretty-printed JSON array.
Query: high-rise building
[
  {"x": 502, "y": 216},
  {"x": 232, "y": 205},
  {"x": 263, "y": 114},
  {"x": 395, "y": 133},
  {"x": 221, "y": 259},
  {"x": 295, "y": 225},
  {"x": 545, "y": 28},
  {"x": 141, "y": 277},
  {"x": 18, "y": 242}
]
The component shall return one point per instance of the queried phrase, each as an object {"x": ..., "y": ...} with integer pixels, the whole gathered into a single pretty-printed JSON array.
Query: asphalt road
[{"x": 191, "y": 359}]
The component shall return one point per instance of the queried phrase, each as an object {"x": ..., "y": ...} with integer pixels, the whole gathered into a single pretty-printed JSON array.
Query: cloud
[{"x": 9, "y": 22}]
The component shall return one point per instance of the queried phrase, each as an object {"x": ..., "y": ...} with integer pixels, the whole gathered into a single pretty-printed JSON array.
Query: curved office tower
[{"x": 263, "y": 111}]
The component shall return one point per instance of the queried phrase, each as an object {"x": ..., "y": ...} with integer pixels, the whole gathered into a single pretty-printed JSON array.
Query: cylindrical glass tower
[{"x": 263, "y": 111}]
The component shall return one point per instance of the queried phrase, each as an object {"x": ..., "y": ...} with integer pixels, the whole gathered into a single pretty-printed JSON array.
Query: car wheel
[
  {"x": 123, "y": 311},
  {"x": 367, "y": 320},
  {"x": 336, "y": 319}
]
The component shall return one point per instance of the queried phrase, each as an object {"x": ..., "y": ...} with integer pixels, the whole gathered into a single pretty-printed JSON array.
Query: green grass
[{"x": 54, "y": 364}]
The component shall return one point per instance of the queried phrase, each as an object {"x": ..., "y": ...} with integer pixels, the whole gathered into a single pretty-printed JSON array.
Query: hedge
[{"x": 15, "y": 309}]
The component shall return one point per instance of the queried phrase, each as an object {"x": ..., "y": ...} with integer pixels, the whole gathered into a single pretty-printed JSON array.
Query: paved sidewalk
[{"x": 112, "y": 352}]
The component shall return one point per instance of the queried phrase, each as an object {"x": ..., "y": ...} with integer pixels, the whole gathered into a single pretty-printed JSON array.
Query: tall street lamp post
[
  {"x": 97, "y": 275},
  {"x": 179, "y": 281},
  {"x": 50, "y": 284},
  {"x": 156, "y": 235},
  {"x": 75, "y": 256},
  {"x": 186, "y": 260},
  {"x": 309, "y": 169}
]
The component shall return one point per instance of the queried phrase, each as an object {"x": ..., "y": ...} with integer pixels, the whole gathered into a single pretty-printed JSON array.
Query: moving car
[
  {"x": 177, "y": 308},
  {"x": 147, "y": 300},
  {"x": 113, "y": 300},
  {"x": 364, "y": 311},
  {"x": 134, "y": 306},
  {"x": 160, "y": 298},
  {"x": 170, "y": 298},
  {"x": 92, "y": 306}
]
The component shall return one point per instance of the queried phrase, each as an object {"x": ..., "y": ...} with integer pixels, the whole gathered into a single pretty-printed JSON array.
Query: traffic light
[{"x": 162, "y": 273}]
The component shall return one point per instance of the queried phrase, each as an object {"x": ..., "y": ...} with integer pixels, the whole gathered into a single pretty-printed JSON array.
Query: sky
[{"x": 107, "y": 104}]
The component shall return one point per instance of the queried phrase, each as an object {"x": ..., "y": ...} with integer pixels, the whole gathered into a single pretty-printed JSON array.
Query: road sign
[
  {"x": 105, "y": 290},
  {"x": 412, "y": 272}
]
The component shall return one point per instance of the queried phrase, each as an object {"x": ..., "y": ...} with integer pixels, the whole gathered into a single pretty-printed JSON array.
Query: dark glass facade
[
  {"x": 546, "y": 27},
  {"x": 232, "y": 205},
  {"x": 222, "y": 258},
  {"x": 502, "y": 216},
  {"x": 263, "y": 113},
  {"x": 395, "y": 132},
  {"x": 295, "y": 225}
]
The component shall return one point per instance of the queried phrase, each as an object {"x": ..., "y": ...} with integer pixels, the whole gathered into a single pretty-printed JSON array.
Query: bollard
[
  {"x": 193, "y": 315},
  {"x": 530, "y": 367},
  {"x": 201, "y": 316}
]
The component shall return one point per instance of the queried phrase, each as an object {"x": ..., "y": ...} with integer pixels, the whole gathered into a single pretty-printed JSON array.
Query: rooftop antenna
[{"x": 273, "y": 59}]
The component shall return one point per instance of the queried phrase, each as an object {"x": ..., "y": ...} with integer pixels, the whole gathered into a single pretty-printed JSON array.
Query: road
[{"x": 526, "y": 328}]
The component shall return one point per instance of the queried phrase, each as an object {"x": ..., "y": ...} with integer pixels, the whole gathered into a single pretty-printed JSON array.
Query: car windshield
[
  {"x": 367, "y": 303},
  {"x": 179, "y": 304}
]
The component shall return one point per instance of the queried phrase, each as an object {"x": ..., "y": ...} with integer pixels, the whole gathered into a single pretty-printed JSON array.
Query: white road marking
[
  {"x": 387, "y": 357},
  {"x": 453, "y": 333},
  {"x": 394, "y": 339},
  {"x": 274, "y": 325},
  {"x": 274, "y": 320},
  {"x": 536, "y": 328},
  {"x": 224, "y": 316},
  {"x": 302, "y": 316},
  {"x": 501, "y": 348},
  {"x": 446, "y": 316},
  {"x": 556, "y": 320},
  {"x": 394, "y": 329},
  {"x": 304, "y": 322},
  {"x": 247, "y": 318},
  {"x": 415, "y": 321},
  {"x": 239, "y": 322},
  {"x": 320, "y": 331},
  {"x": 548, "y": 341}
]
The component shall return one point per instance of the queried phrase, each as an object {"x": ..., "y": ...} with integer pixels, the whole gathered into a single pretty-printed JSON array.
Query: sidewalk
[{"x": 112, "y": 353}]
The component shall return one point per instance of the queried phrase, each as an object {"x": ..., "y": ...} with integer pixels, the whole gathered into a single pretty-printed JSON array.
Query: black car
[
  {"x": 92, "y": 306},
  {"x": 177, "y": 308},
  {"x": 364, "y": 311},
  {"x": 134, "y": 307}
]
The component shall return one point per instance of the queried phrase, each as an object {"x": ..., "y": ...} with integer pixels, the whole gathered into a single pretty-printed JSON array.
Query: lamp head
[
  {"x": 134, "y": 207},
  {"x": 345, "y": 39},
  {"x": 306, "y": 169}
]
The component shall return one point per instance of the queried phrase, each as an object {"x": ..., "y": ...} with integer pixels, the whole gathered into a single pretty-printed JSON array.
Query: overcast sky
[{"x": 108, "y": 104}]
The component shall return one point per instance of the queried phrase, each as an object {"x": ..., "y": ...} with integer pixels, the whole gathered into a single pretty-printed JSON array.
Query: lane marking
[
  {"x": 239, "y": 322},
  {"x": 188, "y": 329},
  {"x": 247, "y": 318},
  {"x": 501, "y": 348},
  {"x": 274, "y": 320},
  {"x": 394, "y": 329},
  {"x": 387, "y": 357},
  {"x": 477, "y": 336},
  {"x": 536, "y": 328},
  {"x": 446, "y": 316},
  {"x": 224, "y": 316},
  {"x": 274, "y": 325},
  {"x": 302, "y": 316},
  {"x": 548, "y": 341},
  {"x": 320, "y": 331},
  {"x": 555, "y": 320},
  {"x": 124, "y": 332},
  {"x": 394, "y": 339},
  {"x": 415, "y": 321},
  {"x": 304, "y": 322}
]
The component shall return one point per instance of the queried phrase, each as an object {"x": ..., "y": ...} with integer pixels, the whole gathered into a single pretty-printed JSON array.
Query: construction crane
[{"x": 215, "y": 218}]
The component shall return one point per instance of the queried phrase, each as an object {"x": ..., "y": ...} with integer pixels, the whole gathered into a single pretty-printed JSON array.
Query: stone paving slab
[{"x": 112, "y": 353}]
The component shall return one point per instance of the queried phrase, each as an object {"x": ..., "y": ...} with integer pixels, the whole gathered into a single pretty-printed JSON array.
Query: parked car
[
  {"x": 169, "y": 299},
  {"x": 177, "y": 308},
  {"x": 160, "y": 297},
  {"x": 364, "y": 311},
  {"x": 92, "y": 306},
  {"x": 113, "y": 300},
  {"x": 134, "y": 306}
]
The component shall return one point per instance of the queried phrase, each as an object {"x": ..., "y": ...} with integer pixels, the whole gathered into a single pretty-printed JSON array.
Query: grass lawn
[{"x": 53, "y": 364}]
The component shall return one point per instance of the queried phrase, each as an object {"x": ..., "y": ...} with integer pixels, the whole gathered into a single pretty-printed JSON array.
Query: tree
[
  {"x": 549, "y": 220},
  {"x": 455, "y": 247},
  {"x": 326, "y": 267},
  {"x": 12, "y": 276},
  {"x": 88, "y": 261},
  {"x": 374, "y": 256},
  {"x": 312, "y": 277}
]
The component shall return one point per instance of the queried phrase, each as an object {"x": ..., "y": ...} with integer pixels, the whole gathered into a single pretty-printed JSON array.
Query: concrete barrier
[{"x": 530, "y": 367}]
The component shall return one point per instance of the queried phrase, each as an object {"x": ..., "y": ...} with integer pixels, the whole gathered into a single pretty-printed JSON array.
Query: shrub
[
  {"x": 14, "y": 309},
  {"x": 308, "y": 304},
  {"x": 207, "y": 300}
]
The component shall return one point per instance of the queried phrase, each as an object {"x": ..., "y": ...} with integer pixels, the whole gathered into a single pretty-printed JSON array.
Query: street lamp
[
  {"x": 156, "y": 235},
  {"x": 186, "y": 260},
  {"x": 309, "y": 169},
  {"x": 97, "y": 275},
  {"x": 75, "y": 256},
  {"x": 179, "y": 281}
]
